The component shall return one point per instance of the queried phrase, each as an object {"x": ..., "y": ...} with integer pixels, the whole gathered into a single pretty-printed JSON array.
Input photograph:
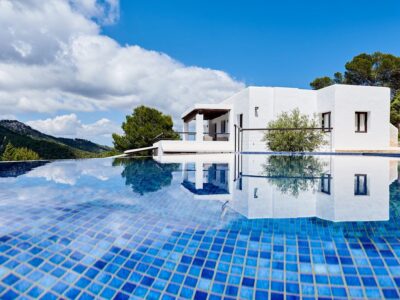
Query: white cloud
[
  {"x": 68, "y": 172},
  {"x": 53, "y": 58},
  {"x": 106, "y": 12},
  {"x": 8, "y": 117},
  {"x": 70, "y": 126}
]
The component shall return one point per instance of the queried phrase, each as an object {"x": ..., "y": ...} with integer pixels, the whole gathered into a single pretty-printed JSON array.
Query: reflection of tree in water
[
  {"x": 145, "y": 175},
  {"x": 293, "y": 174}
]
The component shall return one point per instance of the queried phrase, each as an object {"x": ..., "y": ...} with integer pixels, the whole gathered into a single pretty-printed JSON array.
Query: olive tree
[{"x": 289, "y": 133}]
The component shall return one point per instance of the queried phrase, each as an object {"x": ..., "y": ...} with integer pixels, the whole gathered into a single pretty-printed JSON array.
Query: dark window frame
[
  {"x": 223, "y": 126},
  {"x": 323, "y": 125},
  {"x": 358, "y": 121},
  {"x": 326, "y": 189},
  {"x": 222, "y": 176},
  {"x": 357, "y": 190},
  {"x": 239, "y": 185}
]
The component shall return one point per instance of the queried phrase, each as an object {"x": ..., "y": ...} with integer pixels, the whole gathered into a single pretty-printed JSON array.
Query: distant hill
[{"x": 47, "y": 146}]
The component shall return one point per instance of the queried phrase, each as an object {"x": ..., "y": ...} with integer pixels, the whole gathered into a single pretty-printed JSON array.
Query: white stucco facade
[{"x": 359, "y": 117}]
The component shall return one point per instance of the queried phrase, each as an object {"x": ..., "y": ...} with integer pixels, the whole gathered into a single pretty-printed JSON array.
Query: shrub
[
  {"x": 12, "y": 153},
  {"x": 294, "y": 140}
]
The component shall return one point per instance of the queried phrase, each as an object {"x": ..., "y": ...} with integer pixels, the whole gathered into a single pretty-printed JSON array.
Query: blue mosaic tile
[{"x": 161, "y": 244}]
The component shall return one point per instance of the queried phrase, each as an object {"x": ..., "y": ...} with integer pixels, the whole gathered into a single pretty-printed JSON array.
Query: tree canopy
[
  {"x": 376, "y": 69},
  {"x": 12, "y": 153},
  {"x": 395, "y": 111},
  {"x": 142, "y": 127},
  {"x": 294, "y": 140}
]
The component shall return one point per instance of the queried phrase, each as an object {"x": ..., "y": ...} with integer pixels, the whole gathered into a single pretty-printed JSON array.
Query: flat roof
[{"x": 209, "y": 111}]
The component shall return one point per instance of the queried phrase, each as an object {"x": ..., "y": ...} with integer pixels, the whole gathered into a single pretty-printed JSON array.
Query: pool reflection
[
  {"x": 335, "y": 188},
  {"x": 145, "y": 175}
]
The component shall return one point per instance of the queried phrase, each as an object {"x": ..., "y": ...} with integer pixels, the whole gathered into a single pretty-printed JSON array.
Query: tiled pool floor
[{"x": 80, "y": 230}]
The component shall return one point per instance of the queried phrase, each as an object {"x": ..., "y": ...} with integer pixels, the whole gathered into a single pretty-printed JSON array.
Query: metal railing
[
  {"x": 191, "y": 136},
  {"x": 256, "y": 139}
]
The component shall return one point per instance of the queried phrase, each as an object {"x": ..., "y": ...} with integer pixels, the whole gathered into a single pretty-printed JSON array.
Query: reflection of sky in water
[{"x": 254, "y": 226}]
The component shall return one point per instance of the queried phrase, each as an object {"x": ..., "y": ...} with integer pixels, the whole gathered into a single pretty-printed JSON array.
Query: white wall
[
  {"x": 167, "y": 146},
  {"x": 341, "y": 100},
  {"x": 240, "y": 102},
  {"x": 325, "y": 104},
  {"x": 271, "y": 102},
  {"x": 374, "y": 100}
]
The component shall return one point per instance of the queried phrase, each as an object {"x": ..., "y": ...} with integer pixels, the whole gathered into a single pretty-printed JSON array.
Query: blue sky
[
  {"x": 75, "y": 68},
  {"x": 276, "y": 43}
]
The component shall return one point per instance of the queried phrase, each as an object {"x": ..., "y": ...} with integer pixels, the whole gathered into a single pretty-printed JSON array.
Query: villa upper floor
[{"x": 353, "y": 119}]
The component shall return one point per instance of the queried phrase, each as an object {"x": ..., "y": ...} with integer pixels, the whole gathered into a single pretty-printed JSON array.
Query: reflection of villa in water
[
  {"x": 214, "y": 179},
  {"x": 341, "y": 188}
]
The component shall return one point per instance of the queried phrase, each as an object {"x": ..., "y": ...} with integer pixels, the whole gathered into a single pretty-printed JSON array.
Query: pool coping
[{"x": 350, "y": 153}]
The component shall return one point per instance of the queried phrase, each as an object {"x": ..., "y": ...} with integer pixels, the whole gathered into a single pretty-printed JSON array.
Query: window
[
  {"x": 360, "y": 185},
  {"x": 223, "y": 126},
  {"x": 325, "y": 184},
  {"x": 239, "y": 184},
  {"x": 241, "y": 120},
  {"x": 222, "y": 178},
  {"x": 212, "y": 173},
  {"x": 361, "y": 121},
  {"x": 255, "y": 193},
  {"x": 256, "y": 111},
  {"x": 326, "y": 121}
]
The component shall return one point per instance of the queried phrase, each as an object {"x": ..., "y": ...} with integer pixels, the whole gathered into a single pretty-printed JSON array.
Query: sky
[{"x": 76, "y": 68}]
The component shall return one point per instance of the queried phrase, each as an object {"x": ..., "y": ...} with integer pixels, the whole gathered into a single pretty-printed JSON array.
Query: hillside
[
  {"x": 47, "y": 146},
  {"x": 25, "y": 130}
]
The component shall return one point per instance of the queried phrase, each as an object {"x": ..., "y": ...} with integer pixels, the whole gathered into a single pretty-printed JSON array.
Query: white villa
[{"x": 355, "y": 118}]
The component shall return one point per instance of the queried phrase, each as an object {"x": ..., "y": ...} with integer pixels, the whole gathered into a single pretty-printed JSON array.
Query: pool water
[{"x": 202, "y": 227}]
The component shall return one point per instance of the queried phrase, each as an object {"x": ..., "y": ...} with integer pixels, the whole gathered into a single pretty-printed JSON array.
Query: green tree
[
  {"x": 3, "y": 146},
  {"x": 376, "y": 69},
  {"x": 294, "y": 140},
  {"x": 321, "y": 82},
  {"x": 12, "y": 153},
  {"x": 395, "y": 111},
  {"x": 142, "y": 127},
  {"x": 8, "y": 153},
  {"x": 338, "y": 78}
]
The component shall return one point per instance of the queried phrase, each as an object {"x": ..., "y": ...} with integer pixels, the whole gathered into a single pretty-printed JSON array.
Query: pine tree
[
  {"x": 8, "y": 154},
  {"x": 14, "y": 154}
]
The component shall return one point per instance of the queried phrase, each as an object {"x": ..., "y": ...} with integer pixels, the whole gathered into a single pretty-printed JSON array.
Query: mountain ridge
[{"x": 47, "y": 146}]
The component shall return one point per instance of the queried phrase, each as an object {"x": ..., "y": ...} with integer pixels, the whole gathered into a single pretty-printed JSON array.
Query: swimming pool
[{"x": 201, "y": 226}]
